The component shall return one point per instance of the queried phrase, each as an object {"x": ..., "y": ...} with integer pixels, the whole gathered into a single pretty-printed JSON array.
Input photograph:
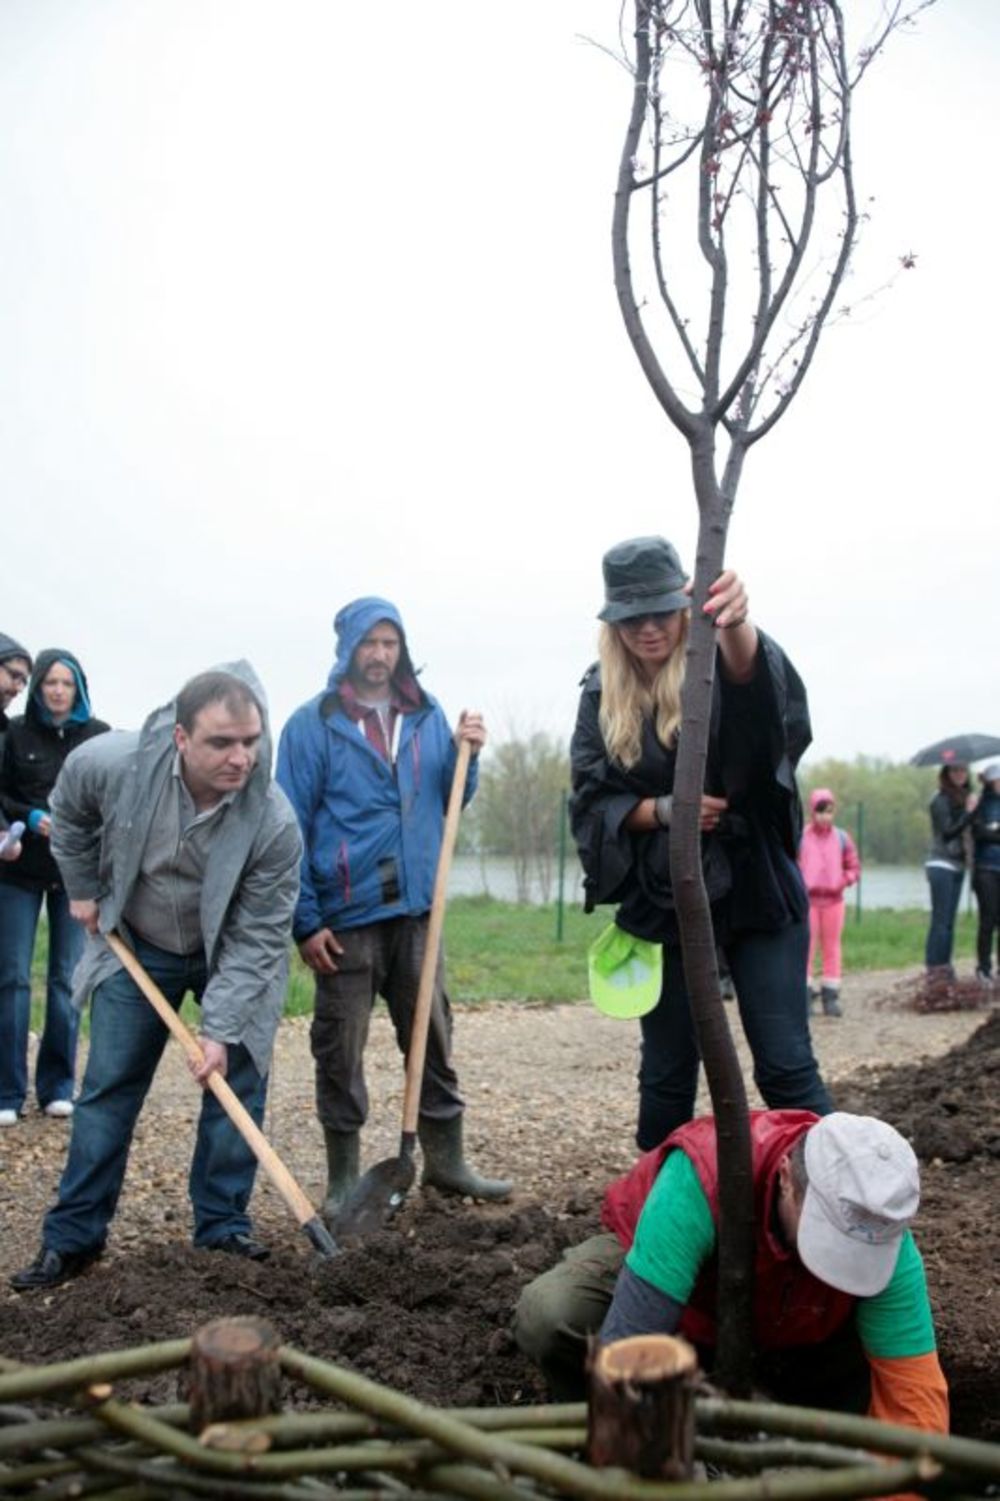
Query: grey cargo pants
[{"x": 382, "y": 958}]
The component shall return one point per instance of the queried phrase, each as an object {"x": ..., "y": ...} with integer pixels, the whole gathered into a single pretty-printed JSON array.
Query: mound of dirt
[{"x": 424, "y": 1306}]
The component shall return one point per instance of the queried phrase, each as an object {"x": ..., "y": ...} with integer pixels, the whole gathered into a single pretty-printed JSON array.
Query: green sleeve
[
  {"x": 897, "y": 1322},
  {"x": 675, "y": 1235}
]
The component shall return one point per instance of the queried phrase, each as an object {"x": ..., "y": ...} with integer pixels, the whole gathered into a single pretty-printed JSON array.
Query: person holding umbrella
[
  {"x": 950, "y": 811},
  {"x": 950, "y": 814}
]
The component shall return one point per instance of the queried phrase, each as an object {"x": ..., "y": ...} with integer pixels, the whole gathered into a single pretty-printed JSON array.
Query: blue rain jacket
[{"x": 372, "y": 832}]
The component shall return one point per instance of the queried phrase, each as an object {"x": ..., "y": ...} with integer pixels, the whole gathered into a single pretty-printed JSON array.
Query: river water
[{"x": 898, "y": 886}]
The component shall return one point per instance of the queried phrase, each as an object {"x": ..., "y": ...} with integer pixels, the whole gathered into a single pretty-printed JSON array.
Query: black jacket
[
  {"x": 758, "y": 733},
  {"x": 949, "y": 820},
  {"x": 33, "y": 754}
]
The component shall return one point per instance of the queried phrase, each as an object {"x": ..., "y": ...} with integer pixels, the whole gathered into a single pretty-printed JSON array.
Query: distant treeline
[{"x": 523, "y": 778}]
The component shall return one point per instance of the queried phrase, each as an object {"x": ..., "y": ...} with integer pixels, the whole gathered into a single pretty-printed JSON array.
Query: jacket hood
[
  {"x": 36, "y": 712},
  {"x": 11, "y": 648},
  {"x": 352, "y": 624},
  {"x": 820, "y": 795}
]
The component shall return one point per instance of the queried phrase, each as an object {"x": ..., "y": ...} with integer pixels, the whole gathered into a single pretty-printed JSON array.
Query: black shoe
[
  {"x": 50, "y": 1268},
  {"x": 240, "y": 1245},
  {"x": 831, "y": 1001}
]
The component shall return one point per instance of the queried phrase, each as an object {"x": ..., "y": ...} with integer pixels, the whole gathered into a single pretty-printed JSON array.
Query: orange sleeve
[{"x": 911, "y": 1391}]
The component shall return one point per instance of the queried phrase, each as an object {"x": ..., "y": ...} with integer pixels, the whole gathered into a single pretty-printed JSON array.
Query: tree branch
[{"x": 675, "y": 409}]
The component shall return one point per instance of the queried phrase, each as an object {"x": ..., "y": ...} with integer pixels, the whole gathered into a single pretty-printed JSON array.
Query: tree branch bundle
[{"x": 388, "y": 1444}]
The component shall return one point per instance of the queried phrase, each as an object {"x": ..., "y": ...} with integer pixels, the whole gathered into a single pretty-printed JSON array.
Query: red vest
[{"x": 790, "y": 1305}]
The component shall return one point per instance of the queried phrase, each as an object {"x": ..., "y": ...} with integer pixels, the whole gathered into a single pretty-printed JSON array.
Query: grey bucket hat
[{"x": 642, "y": 576}]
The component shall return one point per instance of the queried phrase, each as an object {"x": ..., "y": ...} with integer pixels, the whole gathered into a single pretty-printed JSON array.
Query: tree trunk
[
  {"x": 641, "y": 1406},
  {"x": 722, "y": 1068},
  {"x": 234, "y": 1372}
]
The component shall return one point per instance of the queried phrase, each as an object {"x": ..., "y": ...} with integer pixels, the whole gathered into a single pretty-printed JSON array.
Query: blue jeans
[
  {"x": 769, "y": 976},
  {"x": 55, "y": 1064},
  {"x": 127, "y": 1040},
  {"x": 946, "y": 893}
]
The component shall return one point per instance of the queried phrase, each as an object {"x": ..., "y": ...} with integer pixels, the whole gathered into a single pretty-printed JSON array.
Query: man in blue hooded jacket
[{"x": 368, "y": 766}]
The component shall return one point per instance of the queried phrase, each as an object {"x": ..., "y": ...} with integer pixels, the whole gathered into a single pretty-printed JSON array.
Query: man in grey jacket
[{"x": 176, "y": 837}]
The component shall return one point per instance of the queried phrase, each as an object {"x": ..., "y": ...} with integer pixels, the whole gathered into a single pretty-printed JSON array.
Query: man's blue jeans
[
  {"x": 127, "y": 1040},
  {"x": 946, "y": 893},
  {"x": 769, "y": 975},
  {"x": 54, "y": 1067}
]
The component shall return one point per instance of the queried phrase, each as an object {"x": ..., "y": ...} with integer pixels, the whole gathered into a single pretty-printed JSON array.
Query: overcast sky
[{"x": 306, "y": 300}]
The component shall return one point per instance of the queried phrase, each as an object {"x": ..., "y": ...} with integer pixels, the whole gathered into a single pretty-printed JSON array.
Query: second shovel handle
[{"x": 417, "y": 1054}]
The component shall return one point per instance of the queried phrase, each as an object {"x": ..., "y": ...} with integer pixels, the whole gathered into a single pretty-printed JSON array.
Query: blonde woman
[{"x": 623, "y": 753}]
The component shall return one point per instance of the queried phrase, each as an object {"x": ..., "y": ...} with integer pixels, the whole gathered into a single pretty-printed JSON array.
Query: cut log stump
[
  {"x": 234, "y": 1372},
  {"x": 640, "y": 1412}
]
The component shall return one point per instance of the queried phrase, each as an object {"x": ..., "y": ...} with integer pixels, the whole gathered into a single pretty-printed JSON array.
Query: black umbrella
[{"x": 957, "y": 750}]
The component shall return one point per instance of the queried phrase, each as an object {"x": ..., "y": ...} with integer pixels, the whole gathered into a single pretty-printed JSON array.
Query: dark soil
[{"x": 426, "y": 1305}]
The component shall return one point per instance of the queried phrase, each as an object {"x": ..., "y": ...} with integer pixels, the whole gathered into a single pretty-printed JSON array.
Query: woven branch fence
[{"x": 65, "y": 1434}]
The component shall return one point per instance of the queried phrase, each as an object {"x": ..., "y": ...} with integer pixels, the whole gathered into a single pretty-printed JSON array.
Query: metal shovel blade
[{"x": 378, "y": 1194}]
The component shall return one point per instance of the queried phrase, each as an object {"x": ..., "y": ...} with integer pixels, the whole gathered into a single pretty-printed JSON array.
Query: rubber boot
[
  {"x": 813, "y": 999},
  {"x": 445, "y": 1167},
  {"x": 830, "y": 996},
  {"x": 343, "y": 1156}
]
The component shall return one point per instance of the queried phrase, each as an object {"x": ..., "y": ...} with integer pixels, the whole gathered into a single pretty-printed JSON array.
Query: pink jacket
[{"x": 828, "y": 859}]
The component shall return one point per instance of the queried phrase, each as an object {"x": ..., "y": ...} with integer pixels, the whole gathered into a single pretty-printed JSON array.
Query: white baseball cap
[{"x": 863, "y": 1191}]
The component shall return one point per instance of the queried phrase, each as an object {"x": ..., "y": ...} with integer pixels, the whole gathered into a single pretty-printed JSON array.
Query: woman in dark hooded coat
[
  {"x": 623, "y": 755},
  {"x": 56, "y": 720}
]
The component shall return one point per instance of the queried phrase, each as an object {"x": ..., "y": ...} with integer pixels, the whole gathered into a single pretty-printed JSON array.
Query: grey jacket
[{"x": 102, "y": 806}]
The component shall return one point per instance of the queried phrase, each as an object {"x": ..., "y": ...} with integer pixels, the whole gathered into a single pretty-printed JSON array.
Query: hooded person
[
  {"x": 176, "y": 837},
  {"x": 15, "y": 670},
  {"x": 829, "y": 864},
  {"x": 368, "y": 766},
  {"x": 57, "y": 719}
]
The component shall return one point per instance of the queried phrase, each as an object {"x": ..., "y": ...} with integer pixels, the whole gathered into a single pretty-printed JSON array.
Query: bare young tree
[
  {"x": 738, "y": 149},
  {"x": 517, "y": 807}
]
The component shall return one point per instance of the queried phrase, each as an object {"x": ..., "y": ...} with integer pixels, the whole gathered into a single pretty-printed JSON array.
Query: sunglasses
[{"x": 655, "y": 617}]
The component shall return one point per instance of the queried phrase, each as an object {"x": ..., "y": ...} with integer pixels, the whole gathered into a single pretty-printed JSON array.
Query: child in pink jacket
[{"x": 829, "y": 864}]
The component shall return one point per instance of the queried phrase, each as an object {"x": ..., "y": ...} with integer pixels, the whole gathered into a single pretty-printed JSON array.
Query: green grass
[
  {"x": 499, "y": 951},
  {"x": 893, "y": 940}
]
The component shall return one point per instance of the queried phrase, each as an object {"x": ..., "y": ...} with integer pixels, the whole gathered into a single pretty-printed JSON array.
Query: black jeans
[
  {"x": 769, "y": 973},
  {"x": 986, "y": 885}
]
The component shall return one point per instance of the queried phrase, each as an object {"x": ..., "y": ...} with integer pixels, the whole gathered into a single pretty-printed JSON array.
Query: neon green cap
[{"x": 625, "y": 973}]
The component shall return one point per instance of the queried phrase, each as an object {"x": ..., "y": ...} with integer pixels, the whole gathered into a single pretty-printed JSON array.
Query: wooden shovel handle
[
  {"x": 422, "y": 1011},
  {"x": 241, "y": 1118}
]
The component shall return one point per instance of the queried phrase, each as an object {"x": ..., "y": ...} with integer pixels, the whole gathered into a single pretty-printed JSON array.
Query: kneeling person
[
  {"x": 177, "y": 836},
  {"x": 841, "y": 1316}
]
